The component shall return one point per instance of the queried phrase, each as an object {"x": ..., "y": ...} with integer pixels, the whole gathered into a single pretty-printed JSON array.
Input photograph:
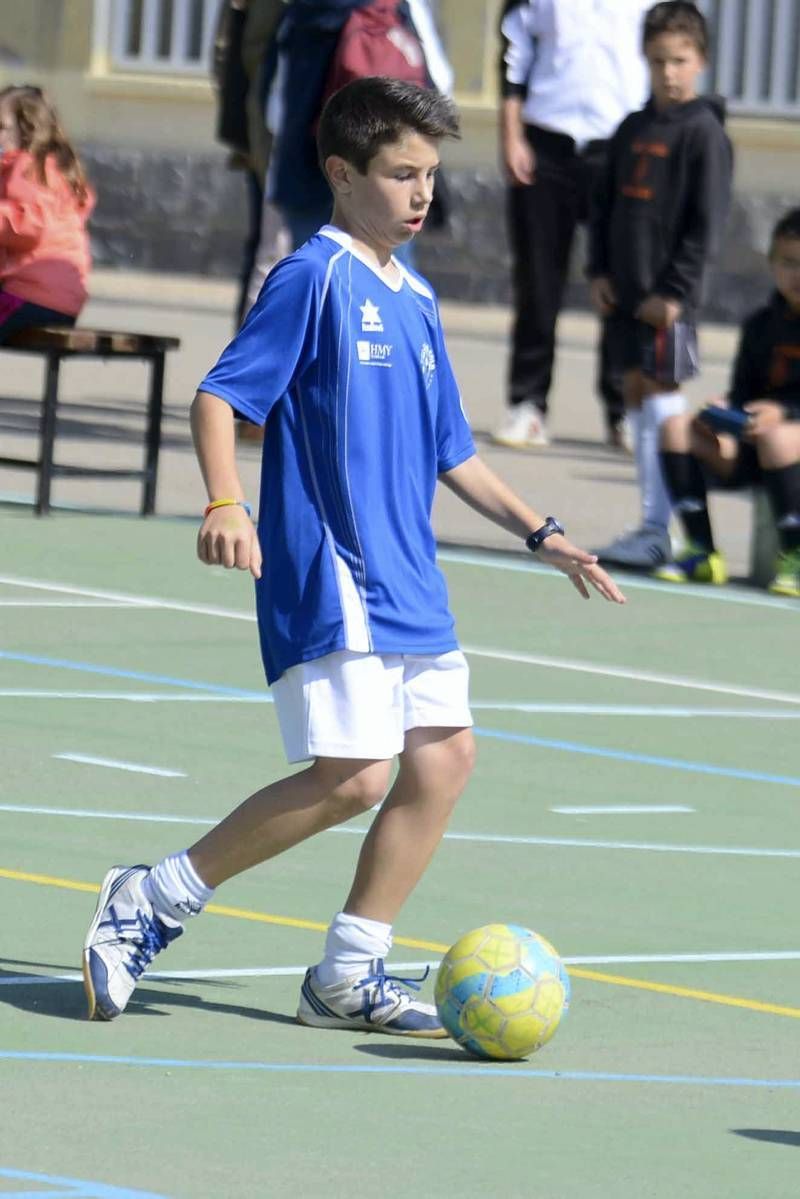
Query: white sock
[
  {"x": 351, "y": 945},
  {"x": 175, "y": 889},
  {"x": 656, "y": 502},
  {"x": 634, "y": 418}
]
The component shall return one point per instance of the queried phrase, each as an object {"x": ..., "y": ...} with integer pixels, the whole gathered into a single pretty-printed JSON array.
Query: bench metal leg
[
  {"x": 153, "y": 445},
  {"x": 47, "y": 435}
]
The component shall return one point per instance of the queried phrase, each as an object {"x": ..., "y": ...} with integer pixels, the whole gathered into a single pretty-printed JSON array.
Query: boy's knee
[
  {"x": 462, "y": 753},
  {"x": 355, "y": 786},
  {"x": 674, "y": 433}
]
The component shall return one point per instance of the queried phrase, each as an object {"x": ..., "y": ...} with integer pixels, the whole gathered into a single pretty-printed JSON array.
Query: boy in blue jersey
[{"x": 343, "y": 359}]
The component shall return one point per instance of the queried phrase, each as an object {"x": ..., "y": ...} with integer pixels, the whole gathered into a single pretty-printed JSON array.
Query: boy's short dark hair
[
  {"x": 676, "y": 16},
  {"x": 375, "y": 111},
  {"x": 788, "y": 226}
]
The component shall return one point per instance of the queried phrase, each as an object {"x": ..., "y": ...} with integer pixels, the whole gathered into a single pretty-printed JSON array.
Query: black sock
[
  {"x": 687, "y": 486},
  {"x": 783, "y": 488}
]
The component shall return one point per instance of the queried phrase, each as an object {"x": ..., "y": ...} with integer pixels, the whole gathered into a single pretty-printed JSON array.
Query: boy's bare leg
[
  {"x": 287, "y": 812},
  {"x": 434, "y": 768},
  {"x": 779, "y": 446}
]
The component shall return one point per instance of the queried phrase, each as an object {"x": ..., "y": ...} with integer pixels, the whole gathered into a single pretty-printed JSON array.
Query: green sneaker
[
  {"x": 694, "y": 565},
  {"x": 787, "y": 575}
]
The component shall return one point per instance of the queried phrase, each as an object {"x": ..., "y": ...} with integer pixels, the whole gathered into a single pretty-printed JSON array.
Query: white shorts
[{"x": 349, "y": 705}]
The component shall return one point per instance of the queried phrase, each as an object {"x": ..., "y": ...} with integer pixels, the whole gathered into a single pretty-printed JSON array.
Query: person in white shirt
[{"x": 571, "y": 70}]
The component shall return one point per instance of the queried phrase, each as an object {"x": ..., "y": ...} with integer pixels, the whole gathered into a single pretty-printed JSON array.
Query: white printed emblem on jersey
[
  {"x": 370, "y": 318},
  {"x": 374, "y": 353},
  {"x": 427, "y": 360}
]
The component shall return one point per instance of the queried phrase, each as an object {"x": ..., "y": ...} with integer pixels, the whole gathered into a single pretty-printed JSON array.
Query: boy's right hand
[
  {"x": 228, "y": 538},
  {"x": 519, "y": 158},
  {"x": 603, "y": 296}
]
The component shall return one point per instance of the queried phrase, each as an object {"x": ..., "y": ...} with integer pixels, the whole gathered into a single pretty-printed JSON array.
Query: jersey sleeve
[
  {"x": 454, "y": 443},
  {"x": 707, "y": 212},
  {"x": 276, "y": 344},
  {"x": 747, "y": 376}
]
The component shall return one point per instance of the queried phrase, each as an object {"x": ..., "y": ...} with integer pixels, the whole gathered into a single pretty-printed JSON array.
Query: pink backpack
[{"x": 376, "y": 41}]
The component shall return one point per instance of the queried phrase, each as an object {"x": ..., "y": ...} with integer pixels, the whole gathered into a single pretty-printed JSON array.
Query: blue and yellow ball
[{"x": 502, "y": 991}]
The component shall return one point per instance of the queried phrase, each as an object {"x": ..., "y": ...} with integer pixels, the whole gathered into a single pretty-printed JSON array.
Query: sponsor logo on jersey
[
  {"x": 427, "y": 361},
  {"x": 370, "y": 318},
  {"x": 374, "y": 353}
]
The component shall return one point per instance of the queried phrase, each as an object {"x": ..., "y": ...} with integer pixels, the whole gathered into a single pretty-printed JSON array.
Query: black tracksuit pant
[{"x": 542, "y": 220}]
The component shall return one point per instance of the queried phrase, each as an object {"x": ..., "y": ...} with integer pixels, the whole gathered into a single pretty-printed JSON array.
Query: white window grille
[
  {"x": 162, "y": 36},
  {"x": 755, "y": 55}
]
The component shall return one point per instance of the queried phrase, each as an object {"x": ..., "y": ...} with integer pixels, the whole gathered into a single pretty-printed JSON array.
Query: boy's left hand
[
  {"x": 764, "y": 414},
  {"x": 581, "y": 568},
  {"x": 658, "y": 311}
]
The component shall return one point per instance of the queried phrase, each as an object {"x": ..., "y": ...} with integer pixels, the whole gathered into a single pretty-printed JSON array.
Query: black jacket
[
  {"x": 660, "y": 208},
  {"x": 767, "y": 365}
]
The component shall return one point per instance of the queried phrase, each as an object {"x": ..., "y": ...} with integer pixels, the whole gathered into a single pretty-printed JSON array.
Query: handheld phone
[{"x": 725, "y": 420}]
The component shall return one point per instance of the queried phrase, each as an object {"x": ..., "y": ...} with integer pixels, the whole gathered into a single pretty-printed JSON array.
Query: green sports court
[{"x": 635, "y": 800}]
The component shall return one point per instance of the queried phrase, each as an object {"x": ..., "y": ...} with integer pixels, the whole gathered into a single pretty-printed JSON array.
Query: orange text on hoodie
[{"x": 44, "y": 246}]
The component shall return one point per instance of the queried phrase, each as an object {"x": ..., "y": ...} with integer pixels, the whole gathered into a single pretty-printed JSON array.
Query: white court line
[
  {"x": 623, "y": 672},
  {"x": 62, "y": 604},
  {"x": 628, "y": 581},
  {"x": 477, "y": 651},
  {"x": 142, "y": 697},
  {"x": 479, "y": 838},
  {"x": 643, "y": 710},
  {"x": 632, "y": 959},
  {"x": 135, "y": 601},
  {"x": 112, "y": 764},
  {"x": 86, "y": 814},
  {"x": 75, "y": 976},
  {"x": 622, "y": 809}
]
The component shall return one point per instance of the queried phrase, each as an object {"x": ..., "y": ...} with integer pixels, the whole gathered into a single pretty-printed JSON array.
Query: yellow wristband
[{"x": 227, "y": 503}]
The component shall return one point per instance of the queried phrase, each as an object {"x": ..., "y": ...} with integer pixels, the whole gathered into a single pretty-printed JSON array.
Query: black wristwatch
[{"x": 550, "y": 526}]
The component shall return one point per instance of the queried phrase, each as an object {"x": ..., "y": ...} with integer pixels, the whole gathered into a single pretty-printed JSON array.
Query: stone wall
[{"x": 186, "y": 212}]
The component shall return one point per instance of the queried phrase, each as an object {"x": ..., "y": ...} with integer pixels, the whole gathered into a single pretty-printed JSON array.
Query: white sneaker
[
  {"x": 524, "y": 428},
  {"x": 619, "y": 437},
  {"x": 123, "y": 938},
  {"x": 375, "y": 1002},
  {"x": 643, "y": 548}
]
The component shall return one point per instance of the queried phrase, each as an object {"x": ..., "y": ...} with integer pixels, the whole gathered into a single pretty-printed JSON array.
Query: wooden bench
[{"x": 54, "y": 344}]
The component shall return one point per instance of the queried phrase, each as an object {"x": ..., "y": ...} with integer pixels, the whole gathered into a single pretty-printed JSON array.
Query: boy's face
[
  {"x": 387, "y": 206},
  {"x": 785, "y": 263},
  {"x": 675, "y": 67}
]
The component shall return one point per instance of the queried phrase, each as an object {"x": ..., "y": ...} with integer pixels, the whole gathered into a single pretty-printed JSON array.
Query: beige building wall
[{"x": 64, "y": 46}]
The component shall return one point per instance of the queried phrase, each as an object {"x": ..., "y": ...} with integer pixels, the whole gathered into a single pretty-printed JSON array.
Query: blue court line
[
  {"x": 141, "y": 676},
  {"x": 496, "y": 734},
  {"x": 468, "y": 1070},
  {"x": 619, "y": 755},
  {"x": 78, "y": 1188}
]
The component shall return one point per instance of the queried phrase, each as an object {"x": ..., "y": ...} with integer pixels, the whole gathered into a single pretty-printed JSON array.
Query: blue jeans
[{"x": 32, "y": 315}]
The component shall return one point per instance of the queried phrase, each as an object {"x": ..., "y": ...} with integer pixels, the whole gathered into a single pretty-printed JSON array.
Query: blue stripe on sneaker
[
  {"x": 316, "y": 1003},
  {"x": 123, "y": 879}
]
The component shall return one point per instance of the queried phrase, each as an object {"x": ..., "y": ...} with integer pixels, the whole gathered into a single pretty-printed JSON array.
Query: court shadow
[
  {"x": 65, "y": 1000},
  {"x": 418, "y": 1051},
  {"x": 776, "y": 1136}
]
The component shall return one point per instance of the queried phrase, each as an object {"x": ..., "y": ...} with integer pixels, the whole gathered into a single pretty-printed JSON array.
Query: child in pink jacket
[{"x": 45, "y": 202}]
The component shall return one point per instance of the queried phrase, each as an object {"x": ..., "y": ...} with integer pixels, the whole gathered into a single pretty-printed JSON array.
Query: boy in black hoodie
[{"x": 658, "y": 218}]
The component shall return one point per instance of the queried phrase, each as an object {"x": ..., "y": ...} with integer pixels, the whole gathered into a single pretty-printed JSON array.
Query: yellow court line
[{"x": 617, "y": 980}]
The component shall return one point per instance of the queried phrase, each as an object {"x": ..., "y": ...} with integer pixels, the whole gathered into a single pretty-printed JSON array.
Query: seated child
[
  {"x": 766, "y": 388},
  {"x": 45, "y": 202}
]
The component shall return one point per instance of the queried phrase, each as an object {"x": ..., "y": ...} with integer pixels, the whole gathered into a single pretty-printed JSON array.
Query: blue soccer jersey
[{"x": 362, "y": 413}]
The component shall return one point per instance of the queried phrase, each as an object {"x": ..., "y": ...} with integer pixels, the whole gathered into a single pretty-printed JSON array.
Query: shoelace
[
  {"x": 147, "y": 936},
  {"x": 392, "y": 983}
]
